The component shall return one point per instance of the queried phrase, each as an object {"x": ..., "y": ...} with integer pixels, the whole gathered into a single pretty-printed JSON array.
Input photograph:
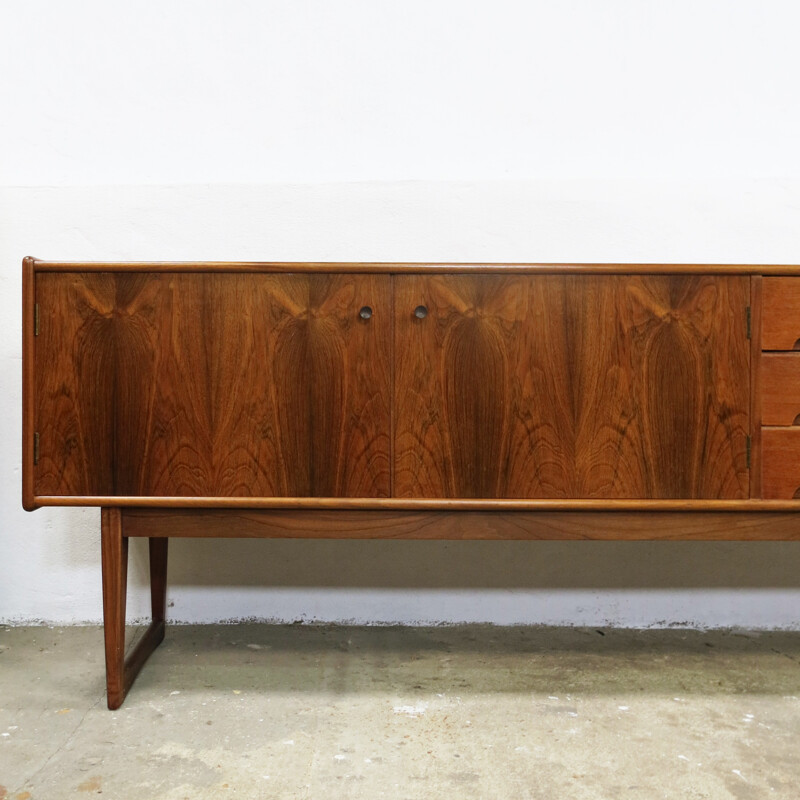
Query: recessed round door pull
[
  {"x": 365, "y": 313},
  {"x": 420, "y": 312}
]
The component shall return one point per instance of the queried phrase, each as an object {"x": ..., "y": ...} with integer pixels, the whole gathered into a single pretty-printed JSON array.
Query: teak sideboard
[{"x": 358, "y": 400}]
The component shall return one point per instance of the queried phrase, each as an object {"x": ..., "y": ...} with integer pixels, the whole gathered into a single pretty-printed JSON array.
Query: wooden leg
[
  {"x": 114, "y": 548},
  {"x": 121, "y": 672},
  {"x": 158, "y": 577}
]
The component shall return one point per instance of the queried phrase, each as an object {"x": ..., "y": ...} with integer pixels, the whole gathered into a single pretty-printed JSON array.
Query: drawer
[
  {"x": 780, "y": 389},
  {"x": 780, "y": 463},
  {"x": 780, "y": 314}
]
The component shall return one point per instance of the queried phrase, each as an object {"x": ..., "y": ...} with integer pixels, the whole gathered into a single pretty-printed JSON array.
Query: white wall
[{"x": 619, "y": 131}]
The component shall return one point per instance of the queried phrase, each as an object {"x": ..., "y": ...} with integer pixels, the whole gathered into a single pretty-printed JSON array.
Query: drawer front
[
  {"x": 780, "y": 389},
  {"x": 780, "y": 472},
  {"x": 780, "y": 326}
]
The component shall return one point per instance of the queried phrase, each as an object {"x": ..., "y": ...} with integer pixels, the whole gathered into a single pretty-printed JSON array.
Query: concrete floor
[{"x": 258, "y": 711}]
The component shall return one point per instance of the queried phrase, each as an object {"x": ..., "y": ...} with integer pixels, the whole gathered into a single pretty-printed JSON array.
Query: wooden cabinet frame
[{"x": 347, "y": 500}]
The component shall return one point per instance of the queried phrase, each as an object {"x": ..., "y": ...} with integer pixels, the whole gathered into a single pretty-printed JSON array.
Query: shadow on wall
[
  {"x": 432, "y": 564},
  {"x": 477, "y": 564}
]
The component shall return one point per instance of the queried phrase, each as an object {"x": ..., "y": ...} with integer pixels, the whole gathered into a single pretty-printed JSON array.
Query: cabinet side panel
[{"x": 28, "y": 382}]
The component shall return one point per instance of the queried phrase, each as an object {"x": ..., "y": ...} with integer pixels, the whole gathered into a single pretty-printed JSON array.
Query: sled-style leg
[{"x": 121, "y": 672}]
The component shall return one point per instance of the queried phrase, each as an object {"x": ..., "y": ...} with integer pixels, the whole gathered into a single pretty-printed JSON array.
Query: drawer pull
[
  {"x": 796, "y": 495},
  {"x": 365, "y": 313},
  {"x": 420, "y": 312}
]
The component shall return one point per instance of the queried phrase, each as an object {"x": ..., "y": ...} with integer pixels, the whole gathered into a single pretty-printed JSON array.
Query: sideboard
[{"x": 397, "y": 400}]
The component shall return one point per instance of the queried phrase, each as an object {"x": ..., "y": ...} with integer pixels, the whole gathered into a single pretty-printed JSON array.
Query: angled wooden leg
[
  {"x": 114, "y": 549},
  {"x": 158, "y": 579},
  {"x": 121, "y": 672}
]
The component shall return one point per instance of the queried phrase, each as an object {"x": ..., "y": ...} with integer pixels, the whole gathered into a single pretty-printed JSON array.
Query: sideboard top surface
[{"x": 396, "y": 267}]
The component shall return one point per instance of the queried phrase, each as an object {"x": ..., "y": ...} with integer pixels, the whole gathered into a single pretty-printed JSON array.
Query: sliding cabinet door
[
  {"x": 571, "y": 386},
  {"x": 213, "y": 384}
]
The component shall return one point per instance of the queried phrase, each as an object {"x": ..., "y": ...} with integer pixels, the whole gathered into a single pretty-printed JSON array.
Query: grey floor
[{"x": 257, "y": 711}]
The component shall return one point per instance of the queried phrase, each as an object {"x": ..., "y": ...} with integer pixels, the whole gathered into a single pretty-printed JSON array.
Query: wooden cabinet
[
  {"x": 216, "y": 385},
  {"x": 509, "y": 401}
]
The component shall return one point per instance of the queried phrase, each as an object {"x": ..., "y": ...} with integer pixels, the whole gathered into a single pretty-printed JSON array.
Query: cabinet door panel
[
  {"x": 213, "y": 385},
  {"x": 570, "y": 386}
]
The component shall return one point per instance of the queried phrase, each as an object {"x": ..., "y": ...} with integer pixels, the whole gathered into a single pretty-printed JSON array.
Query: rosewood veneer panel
[
  {"x": 572, "y": 386},
  {"x": 189, "y": 384}
]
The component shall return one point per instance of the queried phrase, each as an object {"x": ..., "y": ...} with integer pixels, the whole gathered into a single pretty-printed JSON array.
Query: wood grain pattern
[
  {"x": 121, "y": 672},
  {"x": 780, "y": 388},
  {"x": 567, "y": 387},
  {"x": 213, "y": 385},
  {"x": 780, "y": 463},
  {"x": 465, "y": 525},
  {"x": 75, "y": 376},
  {"x": 780, "y": 319},
  {"x": 114, "y": 550}
]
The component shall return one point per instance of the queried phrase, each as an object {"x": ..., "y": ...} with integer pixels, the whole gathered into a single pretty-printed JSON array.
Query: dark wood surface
[
  {"x": 572, "y": 386},
  {"x": 114, "y": 554},
  {"x": 780, "y": 388},
  {"x": 158, "y": 552},
  {"x": 464, "y": 525},
  {"x": 183, "y": 438},
  {"x": 780, "y": 464},
  {"x": 121, "y": 672},
  {"x": 780, "y": 321},
  {"x": 213, "y": 385}
]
